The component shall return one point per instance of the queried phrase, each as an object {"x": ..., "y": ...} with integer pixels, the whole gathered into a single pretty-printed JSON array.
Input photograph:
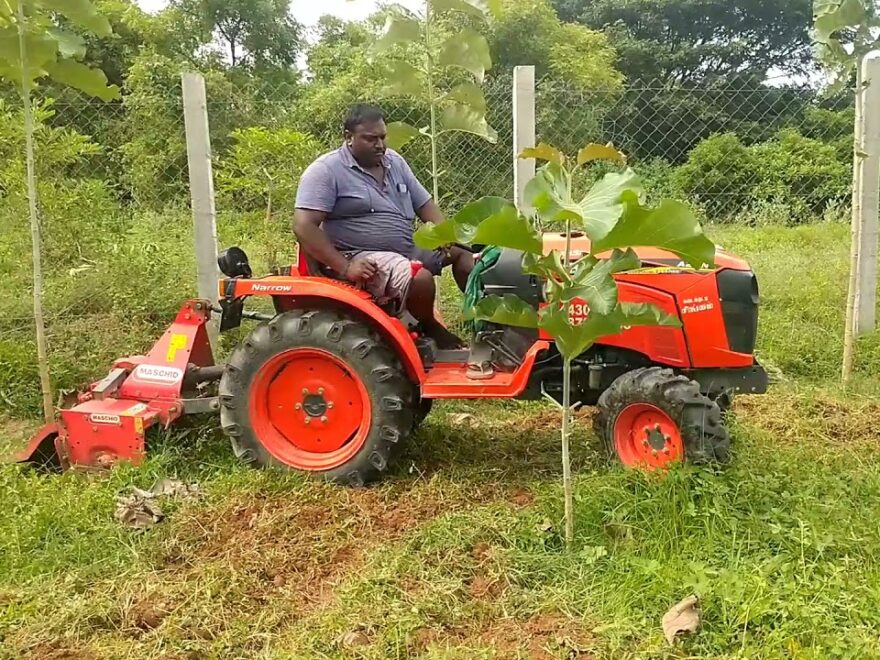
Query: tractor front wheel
[
  {"x": 651, "y": 418},
  {"x": 318, "y": 392}
]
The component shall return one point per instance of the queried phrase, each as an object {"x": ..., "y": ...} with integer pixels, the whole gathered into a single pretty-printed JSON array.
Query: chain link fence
[{"x": 114, "y": 199}]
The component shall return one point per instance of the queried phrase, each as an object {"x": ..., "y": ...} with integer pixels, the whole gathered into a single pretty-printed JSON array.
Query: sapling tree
[
  {"x": 34, "y": 47},
  {"x": 581, "y": 296},
  {"x": 845, "y": 31},
  {"x": 423, "y": 59}
]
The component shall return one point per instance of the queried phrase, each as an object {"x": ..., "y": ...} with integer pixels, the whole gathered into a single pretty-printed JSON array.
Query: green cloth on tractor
[{"x": 473, "y": 291}]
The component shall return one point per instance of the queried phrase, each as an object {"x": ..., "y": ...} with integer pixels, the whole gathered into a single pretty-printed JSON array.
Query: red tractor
[{"x": 332, "y": 383}]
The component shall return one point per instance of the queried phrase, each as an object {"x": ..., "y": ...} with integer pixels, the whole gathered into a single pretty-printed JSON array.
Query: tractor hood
[{"x": 650, "y": 256}]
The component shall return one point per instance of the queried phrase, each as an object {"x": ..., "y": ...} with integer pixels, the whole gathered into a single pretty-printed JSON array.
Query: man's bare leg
[
  {"x": 420, "y": 303},
  {"x": 462, "y": 262}
]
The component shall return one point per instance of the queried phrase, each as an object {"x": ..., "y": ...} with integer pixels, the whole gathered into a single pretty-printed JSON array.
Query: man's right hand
[{"x": 361, "y": 269}]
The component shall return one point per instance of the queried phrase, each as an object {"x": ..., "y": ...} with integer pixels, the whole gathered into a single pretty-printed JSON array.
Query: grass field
[{"x": 459, "y": 553}]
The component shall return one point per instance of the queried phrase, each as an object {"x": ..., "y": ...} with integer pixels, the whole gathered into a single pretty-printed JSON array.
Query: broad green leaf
[
  {"x": 546, "y": 191},
  {"x": 476, "y": 212},
  {"x": 399, "y": 133},
  {"x": 600, "y": 152},
  {"x": 468, "y": 94},
  {"x": 547, "y": 266},
  {"x": 638, "y": 314},
  {"x": 42, "y": 50},
  {"x": 91, "y": 81},
  {"x": 505, "y": 310},
  {"x": 573, "y": 340},
  {"x": 464, "y": 118},
  {"x": 403, "y": 79},
  {"x": 582, "y": 267},
  {"x": 83, "y": 13},
  {"x": 549, "y": 193},
  {"x": 488, "y": 221},
  {"x": 670, "y": 226},
  {"x": 431, "y": 236},
  {"x": 592, "y": 280},
  {"x": 831, "y": 17},
  {"x": 509, "y": 229},
  {"x": 69, "y": 44},
  {"x": 467, "y": 50},
  {"x": 473, "y": 7},
  {"x": 465, "y": 222},
  {"x": 544, "y": 152},
  {"x": 398, "y": 29},
  {"x": 601, "y": 208}
]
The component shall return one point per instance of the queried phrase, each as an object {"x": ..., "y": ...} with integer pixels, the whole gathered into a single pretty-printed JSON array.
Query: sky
[{"x": 308, "y": 12}]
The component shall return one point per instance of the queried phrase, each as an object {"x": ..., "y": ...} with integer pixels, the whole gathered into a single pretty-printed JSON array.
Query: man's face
[{"x": 367, "y": 142}]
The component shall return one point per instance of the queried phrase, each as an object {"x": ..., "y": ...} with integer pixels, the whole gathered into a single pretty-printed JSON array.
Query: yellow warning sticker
[
  {"x": 177, "y": 343},
  {"x": 136, "y": 409},
  {"x": 667, "y": 270},
  {"x": 139, "y": 425}
]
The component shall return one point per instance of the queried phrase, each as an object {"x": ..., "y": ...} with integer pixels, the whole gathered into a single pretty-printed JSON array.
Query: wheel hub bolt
[
  {"x": 329, "y": 404},
  {"x": 656, "y": 427},
  {"x": 320, "y": 390},
  {"x": 298, "y": 406},
  {"x": 308, "y": 420},
  {"x": 324, "y": 419},
  {"x": 305, "y": 390}
]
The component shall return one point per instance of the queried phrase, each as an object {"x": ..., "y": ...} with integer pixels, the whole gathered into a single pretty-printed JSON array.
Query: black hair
[{"x": 361, "y": 113}]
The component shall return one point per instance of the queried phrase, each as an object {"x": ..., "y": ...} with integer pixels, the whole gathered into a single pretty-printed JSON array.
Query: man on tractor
[{"x": 354, "y": 215}]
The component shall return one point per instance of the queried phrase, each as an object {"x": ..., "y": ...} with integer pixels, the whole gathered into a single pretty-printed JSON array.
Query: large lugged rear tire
[
  {"x": 651, "y": 417},
  {"x": 318, "y": 392}
]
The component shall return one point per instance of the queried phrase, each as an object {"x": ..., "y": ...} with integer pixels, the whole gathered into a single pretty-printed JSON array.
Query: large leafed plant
[
  {"x": 614, "y": 218},
  {"x": 35, "y": 45},
  {"x": 425, "y": 56}
]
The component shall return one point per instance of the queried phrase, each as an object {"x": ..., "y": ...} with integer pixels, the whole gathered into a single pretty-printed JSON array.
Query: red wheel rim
[
  {"x": 309, "y": 409},
  {"x": 646, "y": 437}
]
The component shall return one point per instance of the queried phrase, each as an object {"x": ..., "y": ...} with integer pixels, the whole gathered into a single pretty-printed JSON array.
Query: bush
[
  {"x": 726, "y": 177},
  {"x": 801, "y": 172},
  {"x": 719, "y": 174},
  {"x": 264, "y": 164}
]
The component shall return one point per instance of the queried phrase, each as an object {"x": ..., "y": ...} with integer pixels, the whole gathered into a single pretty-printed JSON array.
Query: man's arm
[
  {"x": 430, "y": 212},
  {"x": 307, "y": 227},
  {"x": 426, "y": 208},
  {"x": 315, "y": 198}
]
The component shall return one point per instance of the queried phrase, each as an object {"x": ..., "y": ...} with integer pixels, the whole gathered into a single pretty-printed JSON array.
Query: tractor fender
[{"x": 320, "y": 292}]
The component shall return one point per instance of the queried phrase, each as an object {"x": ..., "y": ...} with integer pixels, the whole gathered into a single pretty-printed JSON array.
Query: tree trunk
[
  {"x": 36, "y": 243},
  {"x": 433, "y": 102},
  {"x": 566, "y": 457},
  {"x": 849, "y": 337},
  {"x": 566, "y": 418}
]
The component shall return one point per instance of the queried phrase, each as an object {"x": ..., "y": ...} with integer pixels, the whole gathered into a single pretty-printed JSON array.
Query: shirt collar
[{"x": 349, "y": 160}]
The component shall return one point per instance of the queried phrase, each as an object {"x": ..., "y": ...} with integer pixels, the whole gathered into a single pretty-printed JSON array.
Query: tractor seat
[{"x": 307, "y": 266}]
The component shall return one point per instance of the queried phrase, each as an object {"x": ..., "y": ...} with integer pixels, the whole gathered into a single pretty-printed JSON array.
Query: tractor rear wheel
[
  {"x": 318, "y": 392},
  {"x": 651, "y": 418}
]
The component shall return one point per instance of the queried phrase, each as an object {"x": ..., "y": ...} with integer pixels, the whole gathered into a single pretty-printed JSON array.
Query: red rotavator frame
[{"x": 112, "y": 415}]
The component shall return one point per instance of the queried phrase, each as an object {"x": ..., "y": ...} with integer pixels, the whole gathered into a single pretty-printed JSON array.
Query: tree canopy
[
  {"x": 257, "y": 33},
  {"x": 689, "y": 42}
]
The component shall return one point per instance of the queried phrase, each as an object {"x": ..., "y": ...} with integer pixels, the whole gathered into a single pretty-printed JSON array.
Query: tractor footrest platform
[{"x": 451, "y": 381}]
